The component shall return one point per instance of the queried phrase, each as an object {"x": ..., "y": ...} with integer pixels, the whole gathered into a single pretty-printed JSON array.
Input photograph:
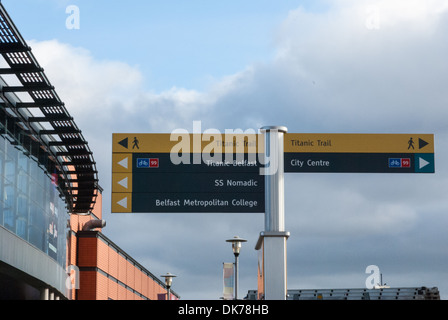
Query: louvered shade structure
[{"x": 32, "y": 110}]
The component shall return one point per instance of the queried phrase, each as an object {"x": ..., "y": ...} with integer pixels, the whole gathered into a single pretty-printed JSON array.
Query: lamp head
[
  {"x": 236, "y": 244},
  {"x": 168, "y": 279}
]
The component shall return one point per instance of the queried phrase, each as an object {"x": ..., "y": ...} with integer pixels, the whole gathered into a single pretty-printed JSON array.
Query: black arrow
[
  {"x": 124, "y": 142},
  {"x": 421, "y": 143}
]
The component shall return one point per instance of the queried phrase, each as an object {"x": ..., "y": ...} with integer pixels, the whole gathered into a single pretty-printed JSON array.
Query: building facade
[
  {"x": 51, "y": 244},
  {"x": 33, "y": 222},
  {"x": 102, "y": 270}
]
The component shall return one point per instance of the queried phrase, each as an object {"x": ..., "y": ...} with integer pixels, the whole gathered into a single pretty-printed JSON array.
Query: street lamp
[
  {"x": 168, "y": 281},
  {"x": 236, "y": 247}
]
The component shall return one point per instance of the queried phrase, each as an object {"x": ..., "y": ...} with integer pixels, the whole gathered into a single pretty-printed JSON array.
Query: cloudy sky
[{"x": 341, "y": 66}]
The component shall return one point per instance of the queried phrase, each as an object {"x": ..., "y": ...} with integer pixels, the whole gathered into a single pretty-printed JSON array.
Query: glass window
[
  {"x": 21, "y": 228},
  {"x": 8, "y": 206},
  {"x": 10, "y": 169},
  {"x": 30, "y": 206}
]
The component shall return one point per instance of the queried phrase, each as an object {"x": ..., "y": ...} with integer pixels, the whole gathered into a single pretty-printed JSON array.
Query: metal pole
[
  {"x": 167, "y": 293},
  {"x": 274, "y": 178},
  {"x": 274, "y": 237},
  {"x": 236, "y": 276}
]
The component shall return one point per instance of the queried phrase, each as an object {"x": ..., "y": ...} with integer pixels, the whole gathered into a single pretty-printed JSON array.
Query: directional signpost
[
  {"x": 217, "y": 173},
  {"x": 193, "y": 173},
  {"x": 363, "y": 153}
]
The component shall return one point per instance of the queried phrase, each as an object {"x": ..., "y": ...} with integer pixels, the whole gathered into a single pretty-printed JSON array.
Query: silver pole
[
  {"x": 236, "y": 276},
  {"x": 274, "y": 237},
  {"x": 274, "y": 178}
]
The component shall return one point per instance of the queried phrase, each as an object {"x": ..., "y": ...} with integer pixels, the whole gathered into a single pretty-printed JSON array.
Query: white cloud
[
  {"x": 338, "y": 209},
  {"x": 361, "y": 76}
]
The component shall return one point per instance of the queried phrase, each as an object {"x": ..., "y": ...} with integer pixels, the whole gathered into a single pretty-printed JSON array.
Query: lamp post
[
  {"x": 236, "y": 247},
  {"x": 168, "y": 281}
]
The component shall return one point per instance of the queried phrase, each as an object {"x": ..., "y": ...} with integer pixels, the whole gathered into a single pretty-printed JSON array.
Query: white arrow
[
  {"x": 124, "y": 182},
  {"x": 123, "y": 202},
  {"x": 124, "y": 163},
  {"x": 422, "y": 163}
]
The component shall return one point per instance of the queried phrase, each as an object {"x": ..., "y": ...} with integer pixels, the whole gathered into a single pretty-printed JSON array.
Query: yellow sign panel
[
  {"x": 185, "y": 142},
  {"x": 121, "y": 202},
  {"x": 254, "y": 143},
  {"x": 358, "y": 143},
  {"x": 121, "y": 162},
  {"x": 122, "y": 182}
]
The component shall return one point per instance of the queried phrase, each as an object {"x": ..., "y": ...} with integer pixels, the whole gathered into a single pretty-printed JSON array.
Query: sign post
[{"x": 273, "y": 240}]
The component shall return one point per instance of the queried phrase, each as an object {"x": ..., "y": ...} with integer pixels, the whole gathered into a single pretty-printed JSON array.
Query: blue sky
[
  {"x": 345, "y": 66},
  {"x": 175, "y": 43}
]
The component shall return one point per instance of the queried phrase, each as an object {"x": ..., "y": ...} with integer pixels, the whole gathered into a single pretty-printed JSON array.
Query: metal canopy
[{"x": 38, "y": 113}]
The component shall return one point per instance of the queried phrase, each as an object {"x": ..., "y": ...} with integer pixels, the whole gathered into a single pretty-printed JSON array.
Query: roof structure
[
  {"x": 39, "y": 116},
  {"x": 376, "y": 293}
]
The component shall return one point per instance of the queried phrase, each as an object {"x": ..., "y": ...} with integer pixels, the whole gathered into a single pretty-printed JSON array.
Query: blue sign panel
[
  {"x": 142, "y": 162},
  {"x": 424, "y": 163},
  {"x": 394, "y": 162}
]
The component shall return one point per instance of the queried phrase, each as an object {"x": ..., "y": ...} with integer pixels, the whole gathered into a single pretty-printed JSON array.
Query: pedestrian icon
[
  {"x": 410, "y": 144},
  {"x": 135, "y": 143}
]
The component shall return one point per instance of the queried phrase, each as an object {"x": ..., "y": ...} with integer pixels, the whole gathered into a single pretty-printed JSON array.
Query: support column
[
  {"x": 273, "y": 240},
  {"x": 45, "y": 294}
]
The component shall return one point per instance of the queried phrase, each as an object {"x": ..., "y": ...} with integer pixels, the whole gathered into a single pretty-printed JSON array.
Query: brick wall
[{"x": 106, "y": 272}]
